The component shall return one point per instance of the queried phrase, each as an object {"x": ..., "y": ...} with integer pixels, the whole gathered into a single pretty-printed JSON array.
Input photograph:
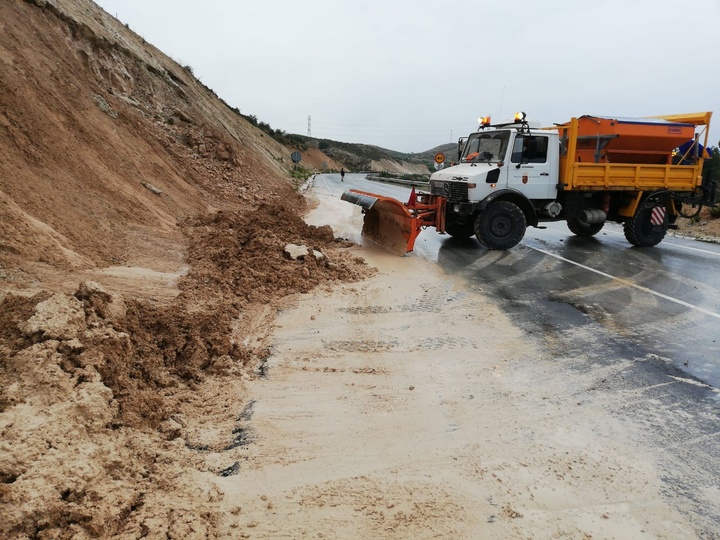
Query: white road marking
[
  {"x": 665, "y": 242},
  {"x": 325, "y": 182},
  {"x": 327, "y": 186},
  {"x": 630, "y": 283},
  {"x": 716, "y": 253}
]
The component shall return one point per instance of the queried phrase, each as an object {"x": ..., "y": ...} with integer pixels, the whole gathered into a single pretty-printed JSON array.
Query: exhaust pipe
[{"x": 593, "y": 215}]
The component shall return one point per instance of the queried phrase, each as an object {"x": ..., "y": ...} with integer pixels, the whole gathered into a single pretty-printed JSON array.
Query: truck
[{"x": 641, "y": 172}]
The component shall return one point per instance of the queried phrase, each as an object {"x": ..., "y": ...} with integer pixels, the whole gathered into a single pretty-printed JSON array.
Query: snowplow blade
[
  {"x": 389, "y": 224},
  {"x": 392, "y": 224}
]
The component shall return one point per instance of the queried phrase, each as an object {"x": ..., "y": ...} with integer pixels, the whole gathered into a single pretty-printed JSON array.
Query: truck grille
[{"x": 453, "y": 191}]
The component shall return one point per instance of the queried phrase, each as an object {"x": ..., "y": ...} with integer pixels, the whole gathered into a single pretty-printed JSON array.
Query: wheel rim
[{"x": 501, "y": 226}]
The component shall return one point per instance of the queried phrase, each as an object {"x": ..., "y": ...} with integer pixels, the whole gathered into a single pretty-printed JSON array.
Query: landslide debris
[
  {"x": 92, "y": 382},
  {"x": 143, "y": 226}
]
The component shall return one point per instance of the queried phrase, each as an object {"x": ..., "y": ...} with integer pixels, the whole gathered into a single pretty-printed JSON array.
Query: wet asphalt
[
  {"x": 643, "y": 324},
  {"x": 662, "y": 301}
]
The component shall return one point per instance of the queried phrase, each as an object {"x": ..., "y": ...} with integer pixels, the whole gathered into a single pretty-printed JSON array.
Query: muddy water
[{"x": 409, "y": 406}]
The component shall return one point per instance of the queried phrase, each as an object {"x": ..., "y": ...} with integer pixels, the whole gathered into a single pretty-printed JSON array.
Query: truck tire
[
  {"x": 640, "y": 232},
  {"x": 460, "y": 229},
  {"x": 500, "y": 226},
  {"x": 580, "y": 228}
]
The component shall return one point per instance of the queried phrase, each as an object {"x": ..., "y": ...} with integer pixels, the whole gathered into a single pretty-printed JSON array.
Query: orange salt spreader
[{"x": 629, "y": 140}]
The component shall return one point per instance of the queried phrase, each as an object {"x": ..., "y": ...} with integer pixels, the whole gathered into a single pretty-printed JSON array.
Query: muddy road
[
  {"x": 422, "y": 403},
  {"x": 663, "y": 301}
]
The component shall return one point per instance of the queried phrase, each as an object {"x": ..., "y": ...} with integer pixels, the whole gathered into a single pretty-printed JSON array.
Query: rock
[
  {"x": 296, "y": 252},
  {"x": 319, "y": 255},
  {"x": 71, "y": 346},
  {"x": 152, "y": 188},
  {"x": 104, "y": 107},
  {"x": 182, "y": 116},
  {"x": 59, "y": 317},
  {"x": 86, "y": 289},
  {"x": 94, "y": 405}
]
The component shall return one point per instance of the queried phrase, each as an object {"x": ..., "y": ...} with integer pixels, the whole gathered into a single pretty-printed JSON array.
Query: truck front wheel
[
  {"x": 500, "y": 226},
  {"x": 581, "y": 228},
  {"x": 646, "y": 229}
]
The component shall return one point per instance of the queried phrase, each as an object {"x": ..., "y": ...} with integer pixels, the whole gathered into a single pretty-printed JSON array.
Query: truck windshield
[{"x": 486, "y": 146}]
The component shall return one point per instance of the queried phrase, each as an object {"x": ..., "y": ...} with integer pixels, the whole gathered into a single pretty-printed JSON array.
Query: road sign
[
  {"x": 296, "y": 157},
  {"x": 439, "y": 157}
]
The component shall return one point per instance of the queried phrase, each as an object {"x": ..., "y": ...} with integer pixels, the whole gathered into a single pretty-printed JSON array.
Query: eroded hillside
[
  {"x": 91, "y": 116},
  {"x": 143, "y": 226}
]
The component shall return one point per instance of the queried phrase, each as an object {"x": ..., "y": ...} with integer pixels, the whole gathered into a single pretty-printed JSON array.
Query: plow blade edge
[
  {"x": 366, "y": 201},
  {"x": 390, "y": 223}
]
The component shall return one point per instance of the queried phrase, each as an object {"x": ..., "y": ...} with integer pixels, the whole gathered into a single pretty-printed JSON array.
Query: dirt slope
[
  {"x": 143, "y": 226},
  {"x": 87, "y": 121}
]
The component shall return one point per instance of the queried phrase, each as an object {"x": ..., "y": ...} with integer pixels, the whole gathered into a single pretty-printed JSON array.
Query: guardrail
[{"x": 375, "y": 177}]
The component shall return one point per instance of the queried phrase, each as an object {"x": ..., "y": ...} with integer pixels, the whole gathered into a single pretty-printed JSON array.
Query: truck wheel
[
  {"x": 500, "y": 226},
  {"x": 641, "y": 232},
  {"x": 580, "y": 228},
  {"x": 460, "y": 229}
]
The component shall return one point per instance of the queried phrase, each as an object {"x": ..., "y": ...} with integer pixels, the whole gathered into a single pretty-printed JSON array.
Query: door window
[{"x": 530, "y": 149}]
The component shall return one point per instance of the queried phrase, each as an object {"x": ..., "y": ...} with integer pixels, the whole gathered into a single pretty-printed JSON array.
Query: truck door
[{"x": 531, "y": 168}]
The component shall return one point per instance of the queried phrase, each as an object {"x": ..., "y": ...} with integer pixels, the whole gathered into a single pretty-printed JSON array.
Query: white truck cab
[{"x": 506, "y": 157}]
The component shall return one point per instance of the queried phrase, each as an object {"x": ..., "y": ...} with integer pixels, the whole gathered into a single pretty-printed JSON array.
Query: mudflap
[{"x": 392, "y": 224}]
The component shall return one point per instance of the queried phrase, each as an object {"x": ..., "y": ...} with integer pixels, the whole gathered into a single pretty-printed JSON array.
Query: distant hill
[
  {"x": 366, "y": 157},
  {"x": 449, "y": 149}
]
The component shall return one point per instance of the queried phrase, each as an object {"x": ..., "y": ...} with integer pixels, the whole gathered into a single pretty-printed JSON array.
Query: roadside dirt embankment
[{"x": 143, "y": 226}]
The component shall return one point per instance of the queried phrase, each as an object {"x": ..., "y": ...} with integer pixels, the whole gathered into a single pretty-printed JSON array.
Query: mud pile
[
  {"x": 98, "y": 389},
  {"x": 143, "y": 226}
]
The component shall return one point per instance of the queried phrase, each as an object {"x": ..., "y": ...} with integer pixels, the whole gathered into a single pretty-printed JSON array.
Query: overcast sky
[{"x": 410, "y": 75}]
